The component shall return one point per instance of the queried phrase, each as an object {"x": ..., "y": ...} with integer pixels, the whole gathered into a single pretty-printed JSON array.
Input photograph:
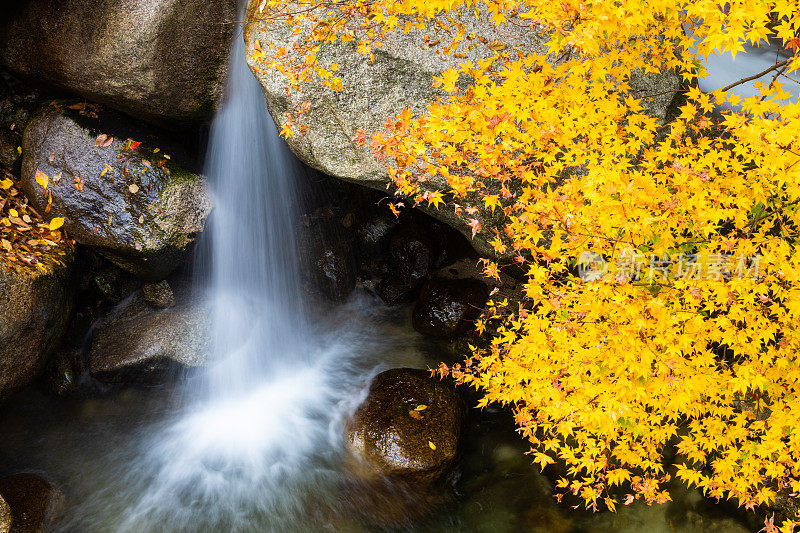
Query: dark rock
[
  {"x": 160, "y": 60},
  {"x": 114, "y": 284},
  {"x": 34, "y": 502},
  {"x": 373, "y": 234},
  {"x": 327, "y": 257},
  {"x": 34, "y": 313},
  {"x": 392, "y": 292},
  {"x": 133, "y": 206},
  {"x": 139, "y": 344},
  {"x": 410, "y": 255},
  {"x": 334, "y": 269},
  {"x": 446, "y": 306},
  {"x": 64, "y": 373},
  {"x": 394, "y": 439},
  {"x": 9, "y": 153},
  {"x": 159, "y": 295},
  {"x": 5, "y": 516}
]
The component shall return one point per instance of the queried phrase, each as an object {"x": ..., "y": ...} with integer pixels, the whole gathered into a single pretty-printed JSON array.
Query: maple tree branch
[{"x": 756, "y": 76}]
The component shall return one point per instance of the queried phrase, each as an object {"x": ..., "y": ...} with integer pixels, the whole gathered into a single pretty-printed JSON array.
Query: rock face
[
  {"x": 5, "y": 516},
  {"x": 401, "y": 77},
  {"x": 158, "y": 295},
  {"x": 33, "y": 501},
  {"x": 446, "y": 306},
  {"x": 160, "y": 60},
  {"x": 394, "y": 436},
  {"x": 130, "y": 203},
  {"x": 148, "y": 346},
  {"x": 34, "y": 314}
]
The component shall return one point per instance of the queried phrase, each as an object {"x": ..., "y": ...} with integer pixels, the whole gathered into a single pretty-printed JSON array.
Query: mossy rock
[{"x": 137, "y": 205}]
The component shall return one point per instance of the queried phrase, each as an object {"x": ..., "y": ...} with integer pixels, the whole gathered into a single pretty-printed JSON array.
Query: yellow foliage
[{"x": 687, "y": 331}]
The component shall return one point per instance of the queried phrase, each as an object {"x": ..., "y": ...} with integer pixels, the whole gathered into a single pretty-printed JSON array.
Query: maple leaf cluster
[
  {"x": 557, "y": 156},
  {"x": 26, "y": 240}
]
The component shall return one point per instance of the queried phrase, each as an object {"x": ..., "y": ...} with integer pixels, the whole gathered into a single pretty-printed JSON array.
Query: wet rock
[
  {"x": 394, "y": 436},
  {"x": 410, "y": 255},
  {"x": 34, "y": 502},
  {"x": 34, "y": 314},
  {"x": 132, "y": 205},
  {"x": 160, "y": 60},
  {"x": 399, "y": 77},
  {"x": 373, "y": 234},
  {"x": 64, "y": 372},
  {"x": 158, "y": 295},
  {"x": 114, "y": 284},
  {"x": 327, "y": 256},
  {"x": 446, "y": 306},
  {"x": 9, "y": 155},
  {"x": 5, "y": 516},
  {"x": 393, "y": 292},
  {"x": 334, "y": 269},
  {"x": 139, "y": 344}
]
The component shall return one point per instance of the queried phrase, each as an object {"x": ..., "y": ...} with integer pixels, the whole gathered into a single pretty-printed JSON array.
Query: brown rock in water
[
  {"x": 34, "y": 502},
  {"x": 446, "y": 306},
  {"x": 395, "y": 436}
]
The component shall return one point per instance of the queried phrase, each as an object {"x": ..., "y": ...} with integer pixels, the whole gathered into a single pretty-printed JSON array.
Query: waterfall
[{"x": 252, "y": 259}]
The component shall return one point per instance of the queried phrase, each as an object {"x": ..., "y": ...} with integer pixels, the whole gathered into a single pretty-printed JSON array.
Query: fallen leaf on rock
[
  {"x": 421, "y": 407},
  {"x": 42, "y": 179},
  {"x": 133, "y": 188},
  {"x": 105, "y": 170},
  {"x": 103, "y": 140},
  {"x": 431, "y": 445},
  {"x": 6, "y": 183},
  {"x": 56, "y": 223},
  {"x": 415, "y": 414}
]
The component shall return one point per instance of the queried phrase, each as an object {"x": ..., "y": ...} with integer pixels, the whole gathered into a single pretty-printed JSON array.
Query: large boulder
[
  {"x": 136, "y": 204},
  {"x": 35, "y": 308},
  {"x": 409, "y": 427},
  {"x": 34, "y": 502},
  {"x": 159, "y": 60},
  {"x": 400, "y": 77},
  {"x": 143, "y": 345}
]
